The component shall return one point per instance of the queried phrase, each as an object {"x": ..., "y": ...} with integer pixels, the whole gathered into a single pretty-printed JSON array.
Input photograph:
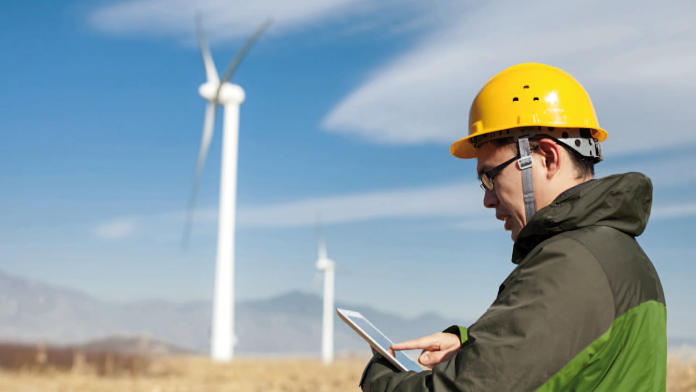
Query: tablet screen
[{"x": 379, "y": 338}]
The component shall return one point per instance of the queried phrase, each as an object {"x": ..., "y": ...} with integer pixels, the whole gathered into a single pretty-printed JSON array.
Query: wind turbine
[
  {"x": 220, "y": 92},
  {"x": 328, "y": 267}
]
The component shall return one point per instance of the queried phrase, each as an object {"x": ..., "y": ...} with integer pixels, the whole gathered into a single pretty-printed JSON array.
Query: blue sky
[{"x": 350, "y": 111}]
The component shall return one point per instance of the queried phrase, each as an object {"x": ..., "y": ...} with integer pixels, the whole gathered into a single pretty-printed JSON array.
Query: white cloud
[
  {"x": 673, "y": 211},
  {"x": 452, "y": 200},
  {"x": 455, "y": 202},
  {"x": 229, "y": 19},
  {"x": 460, "y": 203},
  {"x": 440, "y": 201},
  {"x": 224, "y": 19},
  {"x": 637, "y": 62},
  {"x": 116, "y": 229},
  {"x": 666, "y": 171}
]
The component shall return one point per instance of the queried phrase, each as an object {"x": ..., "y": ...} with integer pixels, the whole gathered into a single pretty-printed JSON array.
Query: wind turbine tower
[
  {"x": 220, "y": 92},
  {"x": 328, "y": 267}
]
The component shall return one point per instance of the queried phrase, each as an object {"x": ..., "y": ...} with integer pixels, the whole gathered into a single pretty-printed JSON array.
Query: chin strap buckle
[{"x": 525, "y": 162}]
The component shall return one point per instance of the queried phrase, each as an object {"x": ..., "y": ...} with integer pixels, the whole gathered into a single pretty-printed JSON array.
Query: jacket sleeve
[{"x": 552, "y": 306}]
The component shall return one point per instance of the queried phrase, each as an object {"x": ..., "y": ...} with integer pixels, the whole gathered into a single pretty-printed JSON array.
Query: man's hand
[{"x": 438, "y": 347}]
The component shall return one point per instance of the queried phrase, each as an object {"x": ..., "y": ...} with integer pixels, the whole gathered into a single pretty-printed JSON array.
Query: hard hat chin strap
[{"x": 525, "y": 164}]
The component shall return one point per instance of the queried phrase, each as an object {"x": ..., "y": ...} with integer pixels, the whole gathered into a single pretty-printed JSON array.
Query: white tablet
[{"x": 377, "y": 340}]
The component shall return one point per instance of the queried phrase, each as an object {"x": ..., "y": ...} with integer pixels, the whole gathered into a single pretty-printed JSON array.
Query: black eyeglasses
[{"x": 487, "y": 177}]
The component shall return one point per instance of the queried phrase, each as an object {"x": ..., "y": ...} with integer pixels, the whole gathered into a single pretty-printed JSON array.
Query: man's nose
[{"x": 490, "y": 199}]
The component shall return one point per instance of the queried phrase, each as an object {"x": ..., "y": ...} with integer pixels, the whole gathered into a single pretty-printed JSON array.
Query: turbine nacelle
[
  {"x": 228, "y": 93},
  {"x": 325, "y": 264}
]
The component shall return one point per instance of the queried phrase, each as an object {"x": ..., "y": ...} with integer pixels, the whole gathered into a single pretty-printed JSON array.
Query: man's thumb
[
  {"x": 430, "y": 358},
  {"x": 424, "y": 359},
  {"x": 433, "y": 358}
]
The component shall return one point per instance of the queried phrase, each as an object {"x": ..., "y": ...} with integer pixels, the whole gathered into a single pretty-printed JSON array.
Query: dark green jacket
[{"x": 582, "y": 311}]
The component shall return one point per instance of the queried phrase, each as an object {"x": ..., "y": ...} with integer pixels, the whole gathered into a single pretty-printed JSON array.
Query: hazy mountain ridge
[{"x": 32, "y": 312}]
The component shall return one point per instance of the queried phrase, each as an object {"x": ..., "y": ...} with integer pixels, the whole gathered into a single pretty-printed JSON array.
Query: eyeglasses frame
[{"x": 490, "y": 174}]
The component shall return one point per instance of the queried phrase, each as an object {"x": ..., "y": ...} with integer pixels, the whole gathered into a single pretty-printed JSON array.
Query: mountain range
[{"x": 288, "y": 324}]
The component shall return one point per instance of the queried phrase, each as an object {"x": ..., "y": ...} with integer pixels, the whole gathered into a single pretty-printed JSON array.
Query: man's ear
[{"x": 550, "y": 152}]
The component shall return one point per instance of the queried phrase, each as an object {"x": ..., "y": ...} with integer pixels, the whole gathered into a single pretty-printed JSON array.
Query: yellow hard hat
[{"x": 528, "y": 95}]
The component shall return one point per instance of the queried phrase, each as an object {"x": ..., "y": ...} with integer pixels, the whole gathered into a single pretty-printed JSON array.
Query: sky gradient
[{"x": 350, "y": 111}]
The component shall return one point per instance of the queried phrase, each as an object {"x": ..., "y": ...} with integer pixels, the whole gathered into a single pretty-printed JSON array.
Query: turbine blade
[
  {"x": 211, "y": 74},
  {"x": 321, "y": 246},
  {"x": 242, "y": 52},
  {"x": 208, "y": 127},
  {"x": 321, "y": 249}
]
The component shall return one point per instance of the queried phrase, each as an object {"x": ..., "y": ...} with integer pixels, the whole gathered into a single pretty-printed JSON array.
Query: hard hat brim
[{"x": 464, "y": 149}]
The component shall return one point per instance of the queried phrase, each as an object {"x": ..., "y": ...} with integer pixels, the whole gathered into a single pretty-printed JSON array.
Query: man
[{"x": 583, "y": 310}]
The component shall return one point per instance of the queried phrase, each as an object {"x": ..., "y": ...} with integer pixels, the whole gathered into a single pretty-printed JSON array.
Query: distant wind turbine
[
  {"x": 327, "y": 332},
  {"x": 220, "y": 92}
]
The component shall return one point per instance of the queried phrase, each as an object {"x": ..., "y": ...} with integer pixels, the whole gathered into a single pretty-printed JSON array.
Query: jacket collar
[{"x": 621, "y": 201}]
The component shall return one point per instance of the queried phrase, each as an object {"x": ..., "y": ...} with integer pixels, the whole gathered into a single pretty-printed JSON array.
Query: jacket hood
[{"x": 620, "y": 201}]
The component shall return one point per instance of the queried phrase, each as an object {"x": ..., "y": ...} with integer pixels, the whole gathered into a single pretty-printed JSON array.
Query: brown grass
[
  {"x": 42, "y": 359},
  {"x": 56, "y": 371},
  {"x": 681, "y": 374},
  {"x": 198, "y": 374}
]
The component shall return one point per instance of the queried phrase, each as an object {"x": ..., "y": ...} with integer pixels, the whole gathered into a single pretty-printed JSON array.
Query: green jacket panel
[{"x": 630, "y": 356}]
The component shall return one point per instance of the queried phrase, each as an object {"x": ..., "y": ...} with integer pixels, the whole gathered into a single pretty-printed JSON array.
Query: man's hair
[{"x": 584, "y": 166}]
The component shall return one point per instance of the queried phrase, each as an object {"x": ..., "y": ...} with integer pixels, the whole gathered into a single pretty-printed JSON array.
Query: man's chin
[{"x": 514, "y": 234}]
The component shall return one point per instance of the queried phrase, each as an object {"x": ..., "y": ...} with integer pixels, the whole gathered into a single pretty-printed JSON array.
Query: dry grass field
[
  {"x": 194, "y": 374},
  {"x": 106, "y": 373},
  {"x": 681, "y": 375}
]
